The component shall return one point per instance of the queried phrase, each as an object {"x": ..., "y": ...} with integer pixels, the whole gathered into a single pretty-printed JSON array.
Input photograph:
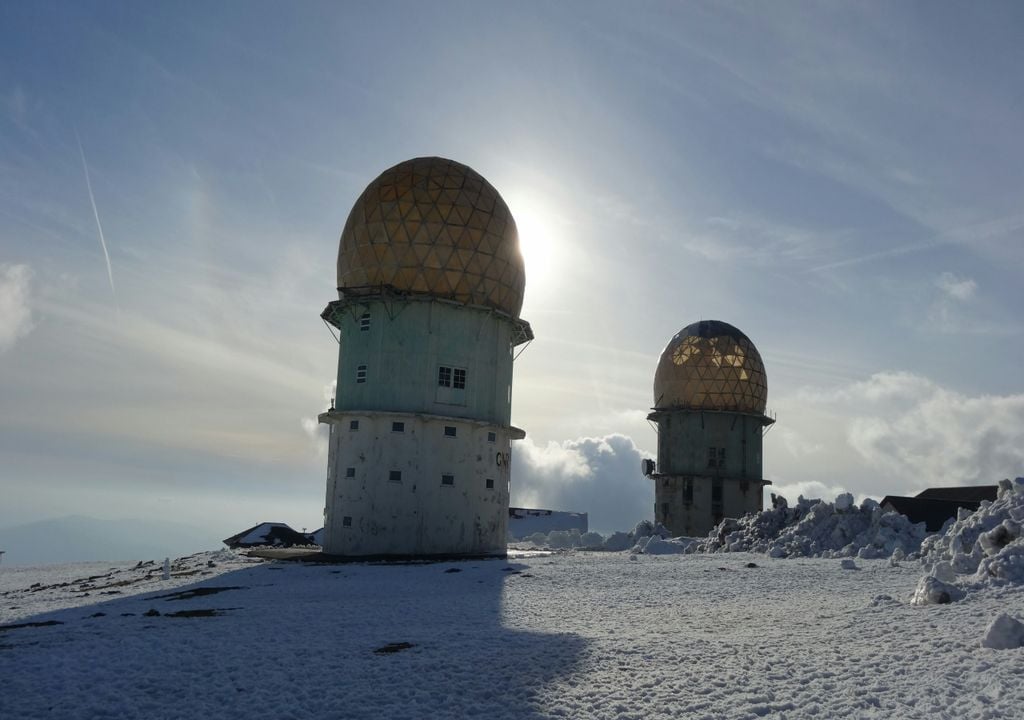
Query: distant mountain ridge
[{"x": 77, "y": 538}]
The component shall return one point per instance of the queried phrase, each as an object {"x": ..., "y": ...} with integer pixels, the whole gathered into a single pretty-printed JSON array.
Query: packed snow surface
[{"x": 568, "y": 635}]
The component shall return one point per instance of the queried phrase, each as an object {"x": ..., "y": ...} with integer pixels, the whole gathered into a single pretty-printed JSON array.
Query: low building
[
  {"x": 936, "y": 506},
  {"x": 267, "y": 533},
  {"x": 524, "y": 522}
]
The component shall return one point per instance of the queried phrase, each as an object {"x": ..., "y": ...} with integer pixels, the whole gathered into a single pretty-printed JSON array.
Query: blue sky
[{"x": 840, "y": 181}]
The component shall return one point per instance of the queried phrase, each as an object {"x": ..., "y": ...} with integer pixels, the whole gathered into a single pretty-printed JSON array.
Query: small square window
[
  {"x": 353, "y": 424},
  {"x": 449, "y": 431},
  {"x": 489, "y": 482},
  {"x": 361, "y": 374},
  {"x": 395, "y": 476},
  {"x": 444, "y": 376},
  {"x": 459, "y": 378},
  {"x": 350, "y": 472},
  {"x": 398, "y": 427},
  {"x": 364, "y": 322},
  {"x": 492, "y": 437},
  {"x": 346, "y": 521},
  {"x": 447, "y": 479}
]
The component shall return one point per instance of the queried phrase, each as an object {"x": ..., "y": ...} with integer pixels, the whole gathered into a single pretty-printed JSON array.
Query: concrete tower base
[{"x": 405, "y": 485}]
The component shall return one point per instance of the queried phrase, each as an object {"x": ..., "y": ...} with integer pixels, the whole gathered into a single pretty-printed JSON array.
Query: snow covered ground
[{"x": 569, "y": 635}]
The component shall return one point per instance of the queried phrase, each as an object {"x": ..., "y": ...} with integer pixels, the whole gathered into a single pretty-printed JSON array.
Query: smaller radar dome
[
  {"x": 710, "y": 365},
  {"x": 433, "y": 226}
]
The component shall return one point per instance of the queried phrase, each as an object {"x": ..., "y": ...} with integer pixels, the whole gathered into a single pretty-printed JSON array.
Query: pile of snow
[
  {"x": 655, "y": 539},
  {"x": 564, "y": 540},
  {"x": 616, "y": 542},
  {"x": 1004, "y": 633},
  {"x": 657, "y": 545},
  {"x": 984, "y": 547},
  {"x": 814, "y": 528}
]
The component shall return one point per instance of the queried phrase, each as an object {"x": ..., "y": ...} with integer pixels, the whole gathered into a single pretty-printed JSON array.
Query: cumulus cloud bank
[
  {"x": 15, "y": 309},
  {"x": 600, "y": 476},
  {"x": 940, "y": 435},
  {"x": 910, "y": 430}
]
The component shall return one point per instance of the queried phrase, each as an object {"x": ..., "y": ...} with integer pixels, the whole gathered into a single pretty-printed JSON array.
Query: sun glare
[{"x": 539, "y": 243}]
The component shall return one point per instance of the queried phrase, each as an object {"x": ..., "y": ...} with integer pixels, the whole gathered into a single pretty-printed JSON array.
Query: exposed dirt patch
[
  {"x": 393, "y": 648},
  {"x": 44, "y": 623},
  {"x": 196, "y": 592},
  {"x": 205, "y": 612}
]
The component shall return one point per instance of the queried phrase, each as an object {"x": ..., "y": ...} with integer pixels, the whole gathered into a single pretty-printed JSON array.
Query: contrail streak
[{"x": 96, "y": 214}]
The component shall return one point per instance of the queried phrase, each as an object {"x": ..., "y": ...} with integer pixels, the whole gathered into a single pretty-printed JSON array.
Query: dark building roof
[
  {"x": 931, "y": 511},
  {"x": 968, "y": 493},
  {"x": 278, "y": 534}
]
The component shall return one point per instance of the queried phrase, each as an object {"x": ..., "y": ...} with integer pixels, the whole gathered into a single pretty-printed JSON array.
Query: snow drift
[
  {"x": 814, "y": 528},
  {"x": 981, "y": 548}
]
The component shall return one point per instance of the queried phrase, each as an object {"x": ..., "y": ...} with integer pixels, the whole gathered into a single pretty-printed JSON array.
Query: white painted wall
[{"x": 418, "y": 515}]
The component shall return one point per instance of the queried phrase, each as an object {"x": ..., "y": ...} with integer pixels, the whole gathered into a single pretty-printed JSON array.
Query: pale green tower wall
[
  {"x": 684, "y": 437},
  {"x": 692, "y": 494},
  {"x": 405, "y": 343}
]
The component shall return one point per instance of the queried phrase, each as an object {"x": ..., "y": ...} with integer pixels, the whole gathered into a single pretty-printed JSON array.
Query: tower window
[
  {"x": 346, "y": 521},
  {"x": 712, "y": 457},
  {"x": 398, "y": 427},
  {"x": 716, "y": 495},
  {"x": 489, "y": 483},
  {"x": 364, "y": 322},
  {"x": 447, "y": 376},
  {"x": 447, "y": 479},
  {"x": 664, "y": 511},
  {"x": 721, "y": 457},
  {"x": 350, "y": 472},
  {"x": 361, "y": 374},
  {"x": 395, "y": 476},
  {"x": 449, "y": 431},
  {"x": 687, "y": 491},
  {"x": 353, "y": 424},
  {"x": 451, "y": 385},
  {"x": 492, "y": 437}
]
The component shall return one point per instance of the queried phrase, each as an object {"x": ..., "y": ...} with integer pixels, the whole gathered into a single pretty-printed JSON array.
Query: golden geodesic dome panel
[
  {"x": 434, "y": 226},
  {"x": 710, "y": 365}
]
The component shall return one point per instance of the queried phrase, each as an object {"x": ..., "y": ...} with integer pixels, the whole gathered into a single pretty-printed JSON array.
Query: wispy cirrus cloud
[
  {"x": 15, "y": 304},
  {"x": 956, "y": 288}
]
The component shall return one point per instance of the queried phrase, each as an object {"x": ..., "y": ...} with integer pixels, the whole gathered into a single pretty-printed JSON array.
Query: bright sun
[{"x": 539, "y": 243}]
